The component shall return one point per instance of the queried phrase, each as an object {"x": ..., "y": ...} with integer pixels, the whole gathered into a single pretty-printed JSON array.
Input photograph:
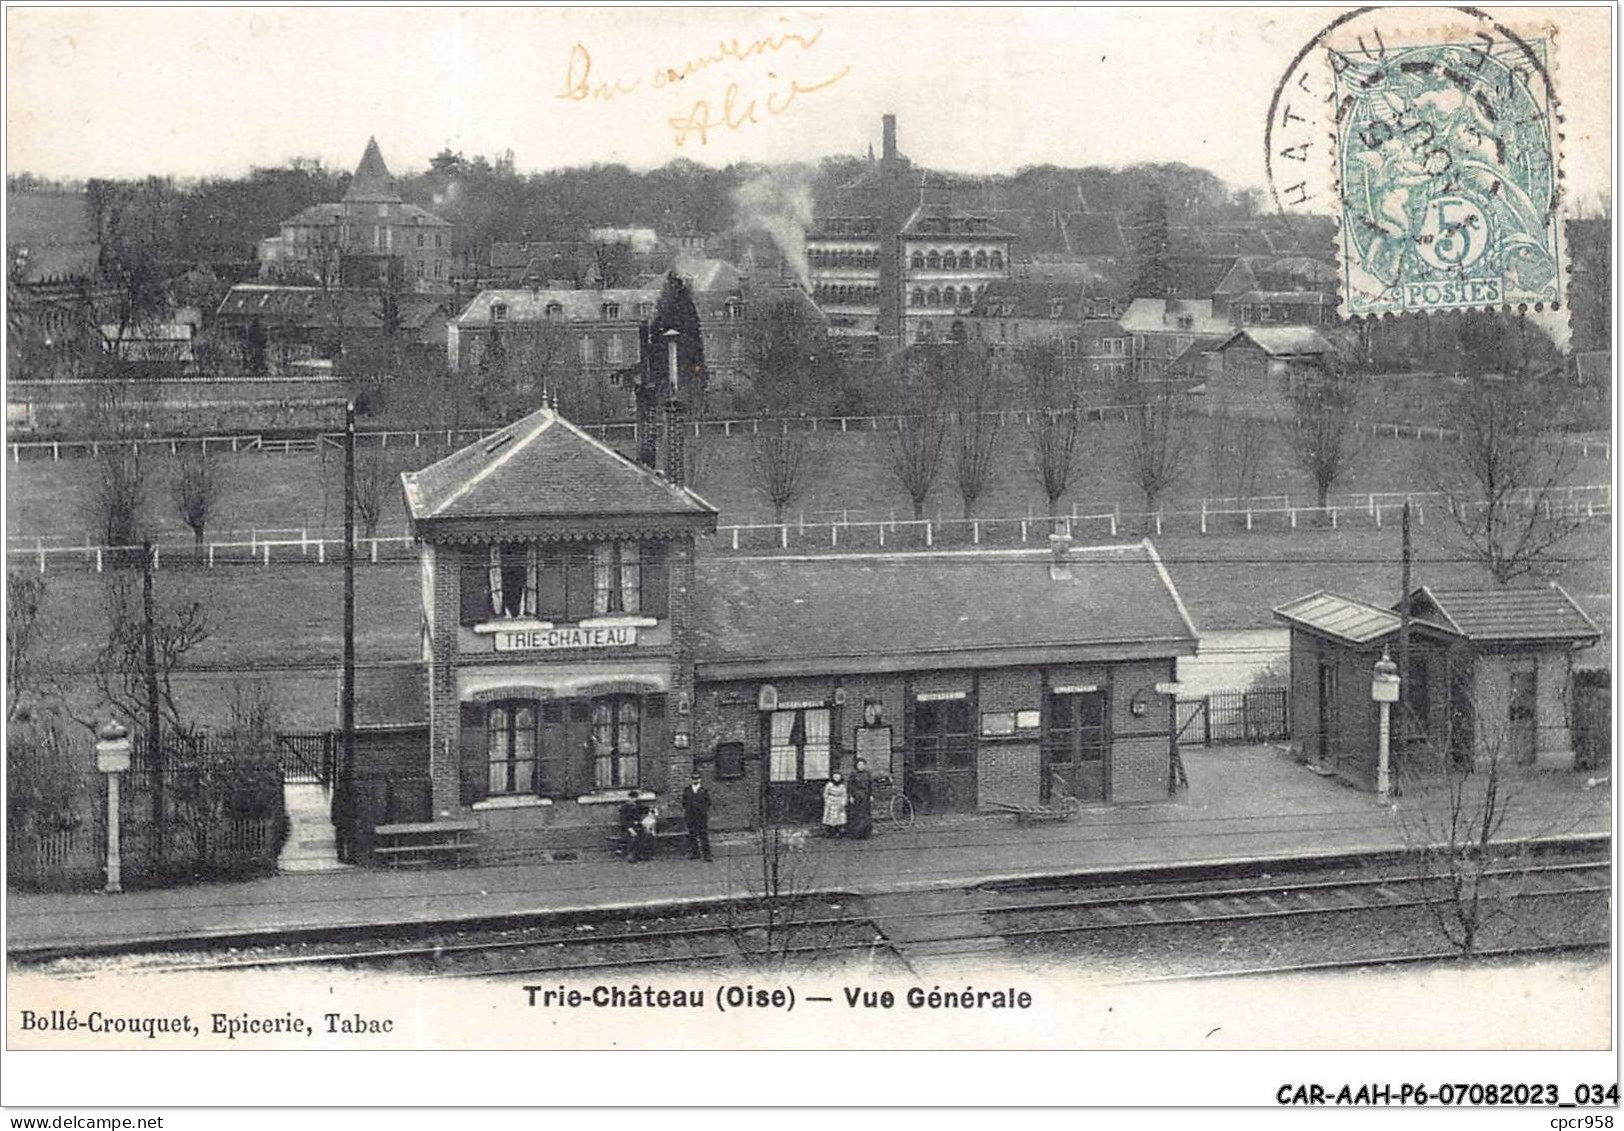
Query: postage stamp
[{"x": 1446, "y": 161}]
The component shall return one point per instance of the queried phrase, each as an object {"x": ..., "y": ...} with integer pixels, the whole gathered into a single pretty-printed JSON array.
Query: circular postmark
[{"x": 1442, "y": 165}]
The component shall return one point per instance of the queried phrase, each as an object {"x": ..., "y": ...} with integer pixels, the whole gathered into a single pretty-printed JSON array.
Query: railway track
[{"x": 895, "y": 930}]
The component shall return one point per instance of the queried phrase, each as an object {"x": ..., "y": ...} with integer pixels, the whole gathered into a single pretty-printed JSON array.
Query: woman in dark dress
[{"x": 859, "y": 810}]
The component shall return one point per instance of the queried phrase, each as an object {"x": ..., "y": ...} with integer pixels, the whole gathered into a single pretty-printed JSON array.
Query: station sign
[{"x": 554, "y": 639}]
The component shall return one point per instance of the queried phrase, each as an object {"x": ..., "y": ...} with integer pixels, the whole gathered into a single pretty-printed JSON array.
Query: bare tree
[
  {"x": 1467, "y": 810},
  {"x": 25, "y": 599},
  {"x": 977, "y": 426},
  {"x": 1158, "y": 435},
  {"x": 1054, "y": 421},
  {"x": 137, "y": 689},
  {"x": 917, "y": 433},
  {"x": 777, "y": 924},
  {"x": 782, "y": 463},
  {"x": 199, "y": 486},
  {"x": 374, "y": 476},
  {"x": 1504, "y": 478},
  {"x": 118, "y": 497},
  {"x": 1235, "y": 447},
  {"x": 1322, "y": 406}
]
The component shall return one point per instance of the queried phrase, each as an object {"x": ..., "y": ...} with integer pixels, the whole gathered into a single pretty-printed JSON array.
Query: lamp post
[
  {"x": 112, "y": 759},
  {"x": 1384, "y": 691}
]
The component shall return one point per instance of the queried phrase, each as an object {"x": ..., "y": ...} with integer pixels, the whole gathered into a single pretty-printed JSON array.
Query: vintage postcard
[{"x": 819, "y": 529}]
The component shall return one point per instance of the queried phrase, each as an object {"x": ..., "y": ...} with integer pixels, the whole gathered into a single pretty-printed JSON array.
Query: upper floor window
[
  {"x": 949, "y": 261},
  {"x": 615, "y": 350},
  {"x": 933, "y": 260},
  {"x": 1072, "y": 347},
  {"x": 950, "y": 297},
  {"x": 421, "y": 239},
  {"x": 926, "y": 331},
  {"x": 383, "y": 211},
  {"x": 1263, "y": 313},
  {"x": 499, "y": 312},
  {"x": 611, "y": 310},
  {"x": 933, "y": 297},
  {"x": 554, "y": 310},
  {"x": 964, "y": 260},
  {"x": 918, "y": 261},
  {"x": 981, "y": 259},
  {"x": 735, "y": 308},
  {"x": 645, "y": 309},
  {"x": 916, "y": 297},
  {"x": 1057, "y": 307},
  {"x": 439, "y": 240},
  {"x": 588, "y": 353},
  {"x": 526, "y": 580},
  {"x": 996, "y": 261}
]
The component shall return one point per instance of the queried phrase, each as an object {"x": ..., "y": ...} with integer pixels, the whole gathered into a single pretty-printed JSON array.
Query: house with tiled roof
[
  {"x": 362, "y": 238},
  {"x": 1081, "y": 319},
  {"x": 1256, "y": 365},
  {"x": 1490, "y": 675},
  {"x": 287, "y": 327},
  {"x": 1162, "y": 329},
  {"x": 584, "y": 647}
]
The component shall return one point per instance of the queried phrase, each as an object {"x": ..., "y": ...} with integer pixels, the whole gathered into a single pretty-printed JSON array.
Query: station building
[{"x": 583, "y": 644}]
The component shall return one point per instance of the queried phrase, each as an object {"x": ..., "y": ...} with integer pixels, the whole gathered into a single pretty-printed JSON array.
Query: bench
[
  {"x": 667, "y": 831},
  {"x": 424, "y": 841}
]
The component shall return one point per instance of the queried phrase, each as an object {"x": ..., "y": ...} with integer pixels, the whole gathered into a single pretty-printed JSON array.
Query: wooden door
[
  {"x": 1523, "y": 709},
  {"x": 1075, "y": 746},
  {"x": 942, "y": 774}
]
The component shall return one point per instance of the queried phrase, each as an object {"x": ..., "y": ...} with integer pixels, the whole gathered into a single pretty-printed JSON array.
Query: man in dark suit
[{"x": 696, "y": 803}]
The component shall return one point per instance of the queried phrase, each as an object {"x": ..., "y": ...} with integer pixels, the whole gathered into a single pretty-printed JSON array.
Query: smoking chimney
[{"x": 888, "y": 145}]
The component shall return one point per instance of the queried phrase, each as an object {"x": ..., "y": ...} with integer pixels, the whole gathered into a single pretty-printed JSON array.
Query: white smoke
[
  {"x": 778, "y": 202},
  {"x": 641, "y": 240}
]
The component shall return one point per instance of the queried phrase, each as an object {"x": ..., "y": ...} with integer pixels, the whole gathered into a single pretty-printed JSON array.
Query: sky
[{"x": 188, "y": 92}]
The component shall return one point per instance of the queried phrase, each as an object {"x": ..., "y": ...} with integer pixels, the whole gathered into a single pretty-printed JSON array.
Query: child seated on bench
[{"x": 637, "y": 827}]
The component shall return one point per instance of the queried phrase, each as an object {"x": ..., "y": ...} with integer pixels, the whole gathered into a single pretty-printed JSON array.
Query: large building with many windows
[
  {"x": 896, "y": 260},
  {"x": 362, "y": 238},
  {"x": 586, "y": 645}
]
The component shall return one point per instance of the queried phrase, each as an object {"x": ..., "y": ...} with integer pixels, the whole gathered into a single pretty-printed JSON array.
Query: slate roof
[
  {"x": 372, "y": 181},
  {"x": 1287, "y": 298},
  {"x": 1494, "y": 615},
  {"x": 924, "y": 609},
  {"x": 527, "y": 305},
  {"x": 321, "y": 215},
  {"x": 388, "y": 696},
  {"x": 1283, "y": 341},
  {"x": 521, "y": 253},
  {"x": 1035, "y": 298},
  {"x": 928, "y": 221},
  {"x": 306, "y": 306},
  {"x": 1346, "y": 619},
  {"x": 542, "y": 466}
]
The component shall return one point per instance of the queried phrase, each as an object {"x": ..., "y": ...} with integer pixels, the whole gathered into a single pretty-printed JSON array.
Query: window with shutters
[{"x": 565, "y": 583}]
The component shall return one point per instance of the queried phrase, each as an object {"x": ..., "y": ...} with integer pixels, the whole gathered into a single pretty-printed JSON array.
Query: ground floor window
[
  {"x": 510, "y": 742},
  {"x": 798, "y": 746},
  {"x": 616, "y": 733}
]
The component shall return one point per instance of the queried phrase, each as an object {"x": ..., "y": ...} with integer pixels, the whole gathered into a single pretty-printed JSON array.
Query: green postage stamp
[{"x": 1447, "y": 176}]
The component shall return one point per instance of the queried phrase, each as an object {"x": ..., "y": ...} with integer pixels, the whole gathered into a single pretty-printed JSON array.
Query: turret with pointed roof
[{"x": 372, "y": 183}]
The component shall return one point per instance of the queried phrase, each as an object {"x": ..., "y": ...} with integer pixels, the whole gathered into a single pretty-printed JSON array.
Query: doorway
[
  {"x": 1074, "y": 747},
  {"x": 1523, "y": 710}
]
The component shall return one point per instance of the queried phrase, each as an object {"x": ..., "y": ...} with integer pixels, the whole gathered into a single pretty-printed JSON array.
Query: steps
[{"x": 312, "y": 844}]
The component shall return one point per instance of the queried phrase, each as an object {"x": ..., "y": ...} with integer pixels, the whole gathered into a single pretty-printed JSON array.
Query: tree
[
  {"x": 675, "y": 311},
  {"x": 1235, "y": 447},
  {"x": 1158, "y": 435},
  {"x": 917, "y": 432},
  {"x": 1054, "y": 421},
  {"x": 1322, "y": 406},
  {"x": 1504, "y": 478},
  {"x": 200, "y": 484},
  {"x": 791, "y": 365},
  {"x": 136, "y": 225},
  {"x": 138, "y": 689},
  {"x": 25, "y": 600},
  {"x": 374, "y": 476},
  {"x": 1466, "y": 812},
  {"x": 776, "y": 924},
  {"x": 117, "y": 502},
  {"x": 977, "y": 425},
  {"x": 1151, "y": 248},
  {"x": 782, "y": 463}
]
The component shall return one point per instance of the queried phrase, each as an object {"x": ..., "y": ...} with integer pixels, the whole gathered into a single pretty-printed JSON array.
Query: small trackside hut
[{"x": 1490, "y": 671}]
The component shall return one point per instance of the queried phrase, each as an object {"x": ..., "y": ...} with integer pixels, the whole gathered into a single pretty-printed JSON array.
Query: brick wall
[{"x": 1007, "y": 772}]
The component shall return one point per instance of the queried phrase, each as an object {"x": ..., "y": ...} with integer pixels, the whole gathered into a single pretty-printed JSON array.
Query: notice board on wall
[{"x": 874, "y": 747}]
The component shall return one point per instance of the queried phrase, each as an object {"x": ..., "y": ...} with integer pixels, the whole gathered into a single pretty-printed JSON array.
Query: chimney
[
  {"x": 675, "y": 455},
  {"x": 888, "y": 143},
  {"x": 1060, "y": 556},
  {"x": 648, "y": 400}
]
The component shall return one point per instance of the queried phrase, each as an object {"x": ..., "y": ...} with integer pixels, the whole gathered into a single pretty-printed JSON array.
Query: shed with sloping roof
[{"x": 1489, "y": 674}]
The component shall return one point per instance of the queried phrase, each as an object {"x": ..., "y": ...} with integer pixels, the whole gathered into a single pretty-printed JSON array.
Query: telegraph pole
[
  {"x": 347, "y": 695},
  {"x": 1404, "y": 623}
]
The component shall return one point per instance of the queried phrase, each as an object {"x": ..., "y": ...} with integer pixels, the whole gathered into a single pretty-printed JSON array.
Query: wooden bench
[
  {"x": 667, "y": 831},
  {"x": 424, "y": 841}
]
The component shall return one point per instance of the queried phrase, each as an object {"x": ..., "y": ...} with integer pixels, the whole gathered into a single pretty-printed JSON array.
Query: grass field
[
  {"x": 853, "y": 477},
  {"x": 282, "y": 622}
]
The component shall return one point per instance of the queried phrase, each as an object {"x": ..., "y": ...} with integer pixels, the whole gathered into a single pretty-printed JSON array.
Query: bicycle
[{"x": 891, "y": 804}]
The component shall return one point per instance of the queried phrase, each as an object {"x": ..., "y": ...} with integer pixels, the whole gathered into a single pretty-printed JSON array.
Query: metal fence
[{"x": 1233, "y": 717}]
